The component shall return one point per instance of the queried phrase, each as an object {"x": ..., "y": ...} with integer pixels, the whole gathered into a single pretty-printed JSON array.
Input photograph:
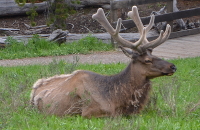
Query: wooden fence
[
  {"x": 169, "y": 17},
  {"x": 125, "y": 4}
]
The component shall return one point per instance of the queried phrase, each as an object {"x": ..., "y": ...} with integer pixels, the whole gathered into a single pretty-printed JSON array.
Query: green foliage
[
  {"x": 20, "y": 2},
  {"x": 37, "y": 46},
  {"x": 23, "y": 2},
  {"x": 32, "y": 14},
  {"x": 174, "y": 107},
  {"x": 59, "y": 10}
]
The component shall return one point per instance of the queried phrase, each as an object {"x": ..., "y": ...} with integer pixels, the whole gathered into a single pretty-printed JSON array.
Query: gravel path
[
  {"x": 101, "y": 57},
  {"x": 188, "y": 46}
]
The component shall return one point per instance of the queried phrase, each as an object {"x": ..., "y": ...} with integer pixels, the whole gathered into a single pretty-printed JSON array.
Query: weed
[
  {"x": 169, "y": 93},
  {"x": 150, "y": 6},
  {"x": 62, "y": 67},
  {"x": 159, "y": 5}
]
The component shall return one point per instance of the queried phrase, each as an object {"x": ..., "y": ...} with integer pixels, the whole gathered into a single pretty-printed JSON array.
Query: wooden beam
[
  {"x": 165, "y": 17},
  {"x": 178, "y": 34},
  {"x": 184, "y": 33},
  {"x": 118, "y": 4},
  {"x": 113, "y": 18},
  {"x": 169, "y": 10}
]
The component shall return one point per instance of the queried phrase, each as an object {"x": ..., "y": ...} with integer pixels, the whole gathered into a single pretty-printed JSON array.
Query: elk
[{"x": 90, "y": 94}]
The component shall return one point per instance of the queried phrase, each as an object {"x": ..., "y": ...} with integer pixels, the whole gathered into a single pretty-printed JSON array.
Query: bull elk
[{"x": 93, "y": 95}]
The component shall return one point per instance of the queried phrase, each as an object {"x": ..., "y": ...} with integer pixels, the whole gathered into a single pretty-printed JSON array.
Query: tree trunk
[{"x": 10, "y": 8}]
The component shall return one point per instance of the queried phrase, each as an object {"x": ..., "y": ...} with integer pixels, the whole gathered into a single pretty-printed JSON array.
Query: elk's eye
[{"x": 148, "y": 61}]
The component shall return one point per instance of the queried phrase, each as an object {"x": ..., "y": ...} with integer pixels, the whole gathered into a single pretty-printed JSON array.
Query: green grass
[
  {"x": 172, "y": 106},
  {"x": 37, "y": 47}
]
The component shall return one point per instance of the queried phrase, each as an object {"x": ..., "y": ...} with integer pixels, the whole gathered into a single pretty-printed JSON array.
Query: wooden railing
[
  {"x": 169, "y": 17},
  {"x": 123, "y": 4}
]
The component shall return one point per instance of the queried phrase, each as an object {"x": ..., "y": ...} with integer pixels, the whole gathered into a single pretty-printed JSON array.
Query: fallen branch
[
  {"x": 86, "y": 3},
  {"x": 31, "y": 27},
  {"x": 179, "y": 24},
  {"x": 2, "y": 43},
  {"x": 36, "y": 29},
  {"x": 161, "y": 25},
  {"x": 58, "y": 36},
  {"x": 9, "y": 29}
]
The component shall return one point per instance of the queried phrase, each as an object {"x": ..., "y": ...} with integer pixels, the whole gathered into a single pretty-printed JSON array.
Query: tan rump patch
[{"x": 45, "y": 81}]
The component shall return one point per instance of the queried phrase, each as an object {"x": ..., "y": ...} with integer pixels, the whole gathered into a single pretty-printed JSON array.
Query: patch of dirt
[{"x": 82, "y": 22}]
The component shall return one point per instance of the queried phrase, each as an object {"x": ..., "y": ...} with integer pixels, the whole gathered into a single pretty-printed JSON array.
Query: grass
[
  {"x": 37, "y": 47},
  {"x": 173, "y": 104}
]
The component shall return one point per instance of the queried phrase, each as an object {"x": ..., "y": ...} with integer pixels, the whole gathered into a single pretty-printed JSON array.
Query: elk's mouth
[
  {"x": 168, "y": 74},
  {"x": 171, "y": 71}
]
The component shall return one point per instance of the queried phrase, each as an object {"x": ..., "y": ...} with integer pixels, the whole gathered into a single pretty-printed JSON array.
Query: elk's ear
[{"x": 129, "y": 53}]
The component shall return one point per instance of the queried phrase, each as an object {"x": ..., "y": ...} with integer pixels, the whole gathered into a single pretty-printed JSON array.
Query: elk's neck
[
  {"x": 130, "y": 89},
  {"x": 125, "y": 83},
  {"x": 133, "y": 76}
]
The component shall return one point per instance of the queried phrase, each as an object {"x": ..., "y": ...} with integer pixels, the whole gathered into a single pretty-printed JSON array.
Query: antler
[{"x": 142, "y": 44}]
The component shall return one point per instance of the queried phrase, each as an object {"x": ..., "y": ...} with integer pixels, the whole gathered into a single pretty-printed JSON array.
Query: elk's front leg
[{"x": 96, "y": 110}]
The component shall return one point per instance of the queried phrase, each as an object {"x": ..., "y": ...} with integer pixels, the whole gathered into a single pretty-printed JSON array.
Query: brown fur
[{"x": 91, "y": 94}]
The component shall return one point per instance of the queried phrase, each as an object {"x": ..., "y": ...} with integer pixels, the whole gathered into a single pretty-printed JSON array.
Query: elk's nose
[{"x": 173, "y": 67}]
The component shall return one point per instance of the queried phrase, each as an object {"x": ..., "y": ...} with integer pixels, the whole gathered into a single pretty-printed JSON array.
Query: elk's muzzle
[{"x": 172, "y": 69}]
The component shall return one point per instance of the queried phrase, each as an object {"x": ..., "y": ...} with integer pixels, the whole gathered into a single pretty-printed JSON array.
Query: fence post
[
  {"x": 170, "y": 9},
  {"x": 113, "y": 18}
]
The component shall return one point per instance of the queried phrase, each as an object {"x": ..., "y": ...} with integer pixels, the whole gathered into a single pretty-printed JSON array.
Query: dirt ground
[{"x": 82, "y": 22}]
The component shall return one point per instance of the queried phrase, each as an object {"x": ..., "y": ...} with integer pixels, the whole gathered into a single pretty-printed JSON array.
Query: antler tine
[
  {"x": 167, "y": 33},
  {"x": 162, "y": 38},
  {"x": 134, "y": 15},
  {"x": 153, "y": 43},
  {"x": 150, "y": 23},
  {"x": 142, "y": 44},
  {"x": 101, "y": 18}
]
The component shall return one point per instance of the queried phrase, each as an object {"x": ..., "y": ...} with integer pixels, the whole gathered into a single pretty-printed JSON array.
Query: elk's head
[
  {"x": 148, "y": 64},
  {"x": 141, "y": 51}
]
